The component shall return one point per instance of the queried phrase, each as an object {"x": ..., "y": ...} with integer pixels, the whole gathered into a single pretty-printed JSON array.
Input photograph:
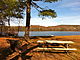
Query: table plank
[
  {"x": 55, "y": 48},
  {"x": 53, "y": 41}
]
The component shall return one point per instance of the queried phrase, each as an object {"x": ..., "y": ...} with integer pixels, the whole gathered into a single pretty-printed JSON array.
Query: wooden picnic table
[{"x": 65, "y": 45}]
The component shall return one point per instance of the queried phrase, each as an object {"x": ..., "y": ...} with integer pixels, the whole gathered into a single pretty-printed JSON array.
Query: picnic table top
[{"x": 53, "y": 41}]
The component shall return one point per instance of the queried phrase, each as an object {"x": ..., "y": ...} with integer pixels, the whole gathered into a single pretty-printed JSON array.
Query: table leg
[{"x": 67, "y": 45}]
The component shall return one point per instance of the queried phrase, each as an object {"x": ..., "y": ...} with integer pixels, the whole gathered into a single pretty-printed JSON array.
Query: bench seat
[{"x": 55, "y": 48}]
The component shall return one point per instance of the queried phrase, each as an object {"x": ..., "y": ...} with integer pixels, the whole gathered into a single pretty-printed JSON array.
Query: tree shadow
[
  {"x": 58, "y": 52},
  {"x": 4, "y": 52},
  {"x": 36, "y": 37}
]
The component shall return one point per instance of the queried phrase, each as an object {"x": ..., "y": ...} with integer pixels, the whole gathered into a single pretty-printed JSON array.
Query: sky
[{"x": 68, "y": 13}]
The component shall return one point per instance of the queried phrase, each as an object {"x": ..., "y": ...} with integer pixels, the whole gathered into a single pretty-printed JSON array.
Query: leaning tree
[{"x": 42, "y": 12}]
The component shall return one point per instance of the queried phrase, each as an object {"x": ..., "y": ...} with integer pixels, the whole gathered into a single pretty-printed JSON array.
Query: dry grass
[{"x": 74, "y": 55}]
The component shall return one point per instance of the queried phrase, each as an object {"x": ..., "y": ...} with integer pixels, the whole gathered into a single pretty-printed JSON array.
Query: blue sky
[{"x": 68, "y": 13}]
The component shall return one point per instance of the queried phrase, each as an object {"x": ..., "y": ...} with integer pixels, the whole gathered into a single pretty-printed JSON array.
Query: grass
[{"x": 75, "y": 55}]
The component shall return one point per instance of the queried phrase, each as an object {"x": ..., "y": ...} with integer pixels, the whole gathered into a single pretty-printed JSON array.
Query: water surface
[{"x": 49, "y": 33}]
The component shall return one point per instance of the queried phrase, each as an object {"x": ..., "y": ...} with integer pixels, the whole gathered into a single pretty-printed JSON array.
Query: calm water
[{"x": 49, "y": 33}]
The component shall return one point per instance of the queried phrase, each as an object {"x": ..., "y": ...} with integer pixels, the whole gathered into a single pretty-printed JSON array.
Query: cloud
[
  {"x": 45, "y": 22},
  {"x": 62, "y": 20},
  {"x": 76, "y": 9},
  {"x": 70, "y": 20},
  {"x": 65, "y": 20},
  {"x": 70, "y": 3}
]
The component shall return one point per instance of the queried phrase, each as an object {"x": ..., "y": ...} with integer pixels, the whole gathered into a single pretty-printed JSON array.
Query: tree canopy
[
  {"x": 45, "y": 12},
  {"x": 14, "y": 8},
  {"x": 11, "y": 8}
]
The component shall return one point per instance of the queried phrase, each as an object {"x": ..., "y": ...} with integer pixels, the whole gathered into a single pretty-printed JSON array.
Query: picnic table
[{"x": 65, "y": 45}]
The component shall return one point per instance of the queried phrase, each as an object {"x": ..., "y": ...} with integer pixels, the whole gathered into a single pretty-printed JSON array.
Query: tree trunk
[
  {"x": 9, "y": 25},
  {"x": 27, "y": 27},
  {"x": 18, "y": 25},
  {"x": 2, "y": 27}
]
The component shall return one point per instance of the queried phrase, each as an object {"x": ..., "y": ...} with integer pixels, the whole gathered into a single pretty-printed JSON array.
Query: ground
[{"x": 74, "y": 55}]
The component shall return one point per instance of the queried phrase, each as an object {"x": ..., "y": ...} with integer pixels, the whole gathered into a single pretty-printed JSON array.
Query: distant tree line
[{"x": 42, "y": 28}]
